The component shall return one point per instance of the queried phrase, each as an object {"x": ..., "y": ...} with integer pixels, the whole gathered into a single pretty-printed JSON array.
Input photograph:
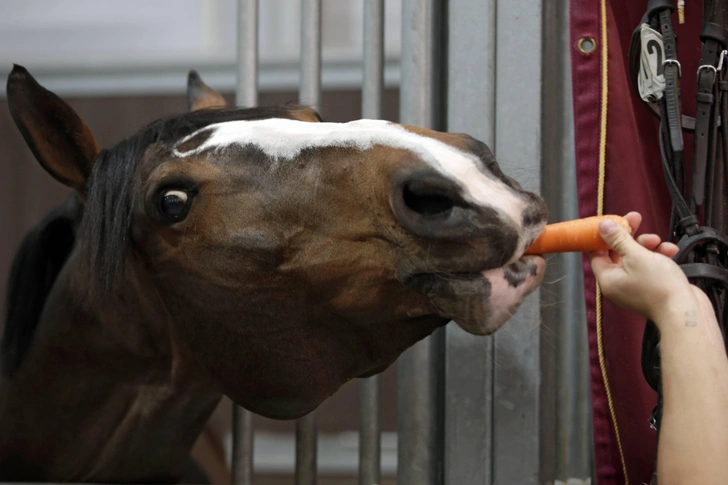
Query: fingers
[
  {"x": 668, "y": 249},
  {"x": 617, "y": 237},
  {"x": 653, "y": 242},
  {"x": 635, "y": 219},
  {"x": 649, "y": 241},
  {"x": 600, "y": 262}
]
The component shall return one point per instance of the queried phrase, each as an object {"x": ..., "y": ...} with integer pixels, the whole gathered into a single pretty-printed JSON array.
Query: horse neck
[
  {"x": 117, "y": 360},
  {"x": 131, "y": 320}
]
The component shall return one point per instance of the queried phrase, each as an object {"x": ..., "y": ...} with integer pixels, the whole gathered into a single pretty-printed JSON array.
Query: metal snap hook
[{"x": 722, "y": 59}]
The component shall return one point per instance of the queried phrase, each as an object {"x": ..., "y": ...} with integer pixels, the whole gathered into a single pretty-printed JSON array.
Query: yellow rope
[{"x": 600, "y": 211}]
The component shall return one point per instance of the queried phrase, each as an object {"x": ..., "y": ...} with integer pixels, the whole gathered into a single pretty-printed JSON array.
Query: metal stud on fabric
[{"x": 587, "y": 45}]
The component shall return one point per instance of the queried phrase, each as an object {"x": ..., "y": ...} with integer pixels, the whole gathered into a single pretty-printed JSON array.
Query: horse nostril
[
  {"x": 430, "y": 205},
  {"x": 427, "y": 201}
]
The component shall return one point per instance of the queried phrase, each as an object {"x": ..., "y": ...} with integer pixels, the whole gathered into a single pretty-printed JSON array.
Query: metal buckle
[
  {"x": 673, "y": 61},
  {"x": 709, "y": 68},
  {"x": 653, "y": 423}
]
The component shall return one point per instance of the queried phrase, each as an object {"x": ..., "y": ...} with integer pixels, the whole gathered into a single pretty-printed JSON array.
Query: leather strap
[
  {"x": 704, "y": 270},
  {"x": 672, "y": 72},
  {"x": 712, "y": 36},
  {"x": 689, "y": 244},
  {"x": 684, "y": 218}
]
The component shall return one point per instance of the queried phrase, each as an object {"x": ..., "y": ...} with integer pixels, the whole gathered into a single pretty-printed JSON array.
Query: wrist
[
  {"x": 689, "y": 318},
  {"x": 680, "y": 312}
]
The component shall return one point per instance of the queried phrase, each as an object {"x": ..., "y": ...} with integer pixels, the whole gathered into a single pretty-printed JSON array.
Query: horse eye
[{"x": 174, "y": 204}]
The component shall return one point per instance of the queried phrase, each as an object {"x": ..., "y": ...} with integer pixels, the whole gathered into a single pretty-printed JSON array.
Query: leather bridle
[{"x": 703, "y": 254}]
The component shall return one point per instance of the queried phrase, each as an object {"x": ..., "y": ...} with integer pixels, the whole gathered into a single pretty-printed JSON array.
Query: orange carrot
[{"x": 574, "y": 236}]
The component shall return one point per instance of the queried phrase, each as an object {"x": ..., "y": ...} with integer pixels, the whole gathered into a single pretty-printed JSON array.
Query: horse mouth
[{"x": 480, "y": 302}]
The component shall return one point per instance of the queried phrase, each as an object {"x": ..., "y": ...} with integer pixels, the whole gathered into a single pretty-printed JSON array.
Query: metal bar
[
  {"x": 370, "y": 432},
  {"x": 419, "y": 102},
  {"x": 373, "y": 77},
  {"x": 518, "y": 115},
  {"x": 470, "y": 359},
  {"x": 310, "y": 88},
  {"x": 247, "y": 65},
  {"x": 306, "y": 444},
  {"x": 568, "y": 444},
  {"x": 309, "y": 94},
  {"x": 419, "y": 420},
  {"x": 128, "y": 78},
  {"x": 421, "y": 373},
  {"x": 246, "y": 94},
  {"x": 243, "y": 436}
]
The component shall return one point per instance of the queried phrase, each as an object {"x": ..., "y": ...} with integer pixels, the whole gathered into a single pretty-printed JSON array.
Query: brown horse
[{"x": 259, "y": 253}]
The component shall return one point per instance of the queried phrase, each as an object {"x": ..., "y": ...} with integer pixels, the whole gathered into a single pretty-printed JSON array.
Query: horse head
[{"x": 291, "y": 254}]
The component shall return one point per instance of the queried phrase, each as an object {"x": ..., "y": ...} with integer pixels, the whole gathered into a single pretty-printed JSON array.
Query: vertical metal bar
[
  {"x": 310, "y": 88},
  {"x": 309, "y": 94},
  {"x": 566, "y": 396},
  {"x": 306, "y": 443},
  {"x": 419, "y": 420},
  {"x": 470, "y": 359},
  {"x": 242, "y": 461},
  {"x": 370, "y": 448},
  {"x": 246, "y": 94},
  {"x": 373, "y": 85},
  {"x": 518, "y": 115},
  {"x": 419, "y": 100},
  {"x": 370, "y": 433},
  {"x": 420, "y": 389}
]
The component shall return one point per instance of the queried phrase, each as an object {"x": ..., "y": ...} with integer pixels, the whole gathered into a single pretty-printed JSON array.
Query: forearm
[{"x": 693, "y": 444}]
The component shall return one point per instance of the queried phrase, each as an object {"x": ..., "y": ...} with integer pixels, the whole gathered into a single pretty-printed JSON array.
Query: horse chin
[{"x": 481, "y": 302}]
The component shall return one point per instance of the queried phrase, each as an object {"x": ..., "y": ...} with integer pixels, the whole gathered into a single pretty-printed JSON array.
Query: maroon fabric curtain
[{"x": 617, "y": 148}]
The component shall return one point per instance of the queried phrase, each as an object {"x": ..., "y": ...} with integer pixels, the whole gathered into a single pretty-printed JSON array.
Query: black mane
[
  {"x": 36, "y": 266},
  {"x": 101, "y": 226}
]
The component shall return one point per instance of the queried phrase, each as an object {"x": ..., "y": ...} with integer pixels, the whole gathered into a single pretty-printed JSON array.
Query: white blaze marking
[{"x": 284, "y": 139}]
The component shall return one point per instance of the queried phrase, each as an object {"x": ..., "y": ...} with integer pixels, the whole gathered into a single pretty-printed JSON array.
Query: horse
[{"x": 259, "y": 253}]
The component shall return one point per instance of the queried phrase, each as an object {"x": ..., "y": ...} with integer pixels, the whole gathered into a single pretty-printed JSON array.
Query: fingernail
[{"x": 607, "y": 226}]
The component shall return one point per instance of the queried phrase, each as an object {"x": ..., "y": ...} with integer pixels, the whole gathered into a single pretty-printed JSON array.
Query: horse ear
[
  {"x": 305, "y": 113},
  {"x": 56, "y": 135},
  {"x": 200, "y": 95}
]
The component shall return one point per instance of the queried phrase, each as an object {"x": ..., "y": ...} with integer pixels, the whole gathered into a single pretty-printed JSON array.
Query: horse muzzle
[
  {"x": 480, "y": 302},
  {"x": 473, "y": 271}
]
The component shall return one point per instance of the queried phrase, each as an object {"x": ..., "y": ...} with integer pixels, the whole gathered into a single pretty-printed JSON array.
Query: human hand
[{"x": 639, "y": 275}]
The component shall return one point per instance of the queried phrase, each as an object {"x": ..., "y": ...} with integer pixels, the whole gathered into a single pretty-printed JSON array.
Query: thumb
[{"x": 617, "y": 237}]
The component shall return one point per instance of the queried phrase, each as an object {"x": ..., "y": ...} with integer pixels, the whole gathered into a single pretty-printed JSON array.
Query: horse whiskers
[{"x": 553, "y": 282}]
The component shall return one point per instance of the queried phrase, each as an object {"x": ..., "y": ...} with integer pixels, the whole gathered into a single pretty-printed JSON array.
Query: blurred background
[{"x": 124, "y": 64}]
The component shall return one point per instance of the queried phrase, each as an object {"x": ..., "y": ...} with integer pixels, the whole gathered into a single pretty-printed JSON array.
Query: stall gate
[{"x": 509, "y": 409}]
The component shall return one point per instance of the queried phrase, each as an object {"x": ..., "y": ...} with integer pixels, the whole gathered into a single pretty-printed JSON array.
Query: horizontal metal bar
[{"x": 90, "y": 79}]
